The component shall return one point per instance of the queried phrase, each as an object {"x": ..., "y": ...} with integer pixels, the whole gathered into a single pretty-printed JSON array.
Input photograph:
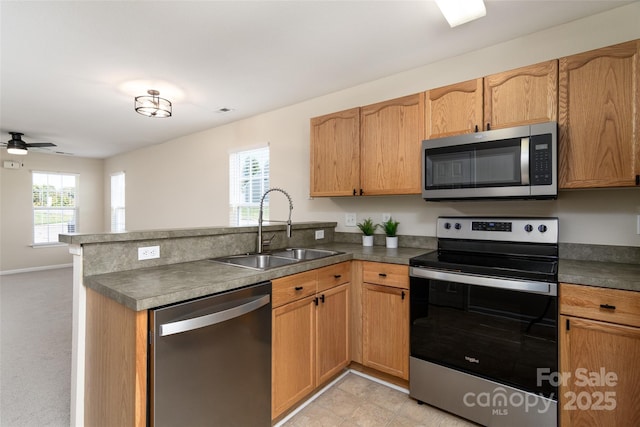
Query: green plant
[
  {"x": 390, "y": 227},
  {"x": 367, "y": 227}
]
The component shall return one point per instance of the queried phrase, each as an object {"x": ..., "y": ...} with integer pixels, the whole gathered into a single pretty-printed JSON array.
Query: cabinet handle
[
  {"x": 315, "y": 300},
  {"x": 402, "y": 295},
  {"x": 637, "y": 179},
  {"x": 382, "y": 274},
  {"x": 608, "y": 307},
  {"x": 322, "y": 298},
  {"x": 361, "y": 192},
  {"x": 476, "y": 128},
  {"x": 488, "y": 126},
  {"x": 354, "y": 191},
  {"x": 337, "y": 276},
  {"x": 568, "y": 325},
  {"x": 299, "y": 288}
]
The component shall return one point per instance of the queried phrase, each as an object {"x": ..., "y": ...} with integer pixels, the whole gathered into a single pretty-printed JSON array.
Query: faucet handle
[{"x": 266, "y": 241}]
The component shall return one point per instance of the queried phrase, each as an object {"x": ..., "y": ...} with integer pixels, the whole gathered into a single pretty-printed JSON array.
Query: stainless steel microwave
[{"x": 518, "y": 162}]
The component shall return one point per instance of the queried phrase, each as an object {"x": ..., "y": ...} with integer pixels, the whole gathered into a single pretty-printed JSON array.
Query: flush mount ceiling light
[
  {"x": 152, "y": 105},
  {"x": 458, "y": 12}
]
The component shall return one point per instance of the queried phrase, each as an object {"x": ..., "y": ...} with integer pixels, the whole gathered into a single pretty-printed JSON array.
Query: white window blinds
[{"x": 248, "y": 180}]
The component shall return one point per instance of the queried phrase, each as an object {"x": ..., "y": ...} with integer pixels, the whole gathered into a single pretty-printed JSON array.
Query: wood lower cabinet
[
  {"x": 385, "y": 318},
  {"x": 293, "y": 353},
  {"x": 310, "y": 332},
  {"x": 599, "y": 99},
  {"x": 599, "y": 353}
]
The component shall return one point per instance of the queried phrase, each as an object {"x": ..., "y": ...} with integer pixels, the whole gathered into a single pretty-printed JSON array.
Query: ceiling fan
[{"x": 17, "y": 146}]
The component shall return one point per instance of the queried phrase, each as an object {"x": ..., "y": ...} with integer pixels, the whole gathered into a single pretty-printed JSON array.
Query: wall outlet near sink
[
  {"x": 319, "y": 234},
  {"x": 148, "y": 252},
  {"x": 350, "y": 219}
]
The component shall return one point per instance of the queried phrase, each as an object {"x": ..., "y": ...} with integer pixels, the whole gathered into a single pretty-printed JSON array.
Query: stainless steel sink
[
  {"x": 276, "y": 259},
  {"x": 304, "y": 253},
  {"x": 256, "y": 261}
]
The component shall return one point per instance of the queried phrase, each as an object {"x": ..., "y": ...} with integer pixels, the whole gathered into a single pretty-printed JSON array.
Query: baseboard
[{"x": 32, "y": 269}]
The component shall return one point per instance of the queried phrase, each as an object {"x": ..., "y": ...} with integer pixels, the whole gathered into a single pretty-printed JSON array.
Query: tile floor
[{"x": 356, "y": 401}]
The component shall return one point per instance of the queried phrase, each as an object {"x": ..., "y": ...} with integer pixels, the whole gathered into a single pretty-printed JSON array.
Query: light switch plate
[{"x": 350, "y": 219}]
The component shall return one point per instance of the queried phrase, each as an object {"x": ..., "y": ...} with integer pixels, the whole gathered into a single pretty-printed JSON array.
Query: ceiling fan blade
[{"x": 41, "y": 144}]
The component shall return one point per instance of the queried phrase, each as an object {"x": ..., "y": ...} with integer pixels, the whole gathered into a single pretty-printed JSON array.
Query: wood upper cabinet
[
  {"x": 335, "y": 154},
  {"x": 521, "y": 96},
  {"x": 385, "y": 318},
  {"x": 391, "y": 134},
  {"x": 454, "y": 109},
  {"x": 599, "y": 353},
  {"x": 600, "y": 117}
]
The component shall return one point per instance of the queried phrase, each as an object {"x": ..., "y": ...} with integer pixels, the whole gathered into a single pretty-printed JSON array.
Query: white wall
[
  {"x": 192, "y": 171},
  {"x": 16, "y": 209}
]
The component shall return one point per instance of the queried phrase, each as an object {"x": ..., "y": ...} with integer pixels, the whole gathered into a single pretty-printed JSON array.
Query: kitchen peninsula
[{"x": 113, "y": 291}]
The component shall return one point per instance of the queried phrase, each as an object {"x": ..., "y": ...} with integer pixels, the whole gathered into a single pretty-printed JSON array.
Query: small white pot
[
  {"x": 392, "y": 242},
  {"x": 367, "y": 240}
]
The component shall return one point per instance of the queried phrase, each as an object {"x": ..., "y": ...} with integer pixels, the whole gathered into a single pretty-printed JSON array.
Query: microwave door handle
[{"x": 524, "y": 161}]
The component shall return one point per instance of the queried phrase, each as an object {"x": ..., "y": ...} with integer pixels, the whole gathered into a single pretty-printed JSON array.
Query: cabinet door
[
  {"x": 385, "y": 329},
  {"x": 522, "y": 96},
  {"x": 454, "y": 109},
  {"x": 293, "y": 353},
  {"x": 591, "y": 352},
  {"x": 391, "y": 135},
  {"x": 332, "y": 326},
  {"x": 600, "y": 117},
  {"x": 335, "y": 154}
]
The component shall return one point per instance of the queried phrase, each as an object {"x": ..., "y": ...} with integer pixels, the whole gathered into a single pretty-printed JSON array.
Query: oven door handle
[{"x": 534, "y": 287}]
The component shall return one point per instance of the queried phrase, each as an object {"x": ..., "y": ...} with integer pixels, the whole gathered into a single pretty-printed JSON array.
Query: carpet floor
[{"x": 35, "y": 348}]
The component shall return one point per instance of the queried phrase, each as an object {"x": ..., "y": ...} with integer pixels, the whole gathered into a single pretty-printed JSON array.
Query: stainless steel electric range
[{"x": 484, "y": 316}]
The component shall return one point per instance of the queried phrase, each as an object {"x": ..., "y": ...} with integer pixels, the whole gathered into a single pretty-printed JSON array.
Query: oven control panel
[{"x": 531, "y": 230}]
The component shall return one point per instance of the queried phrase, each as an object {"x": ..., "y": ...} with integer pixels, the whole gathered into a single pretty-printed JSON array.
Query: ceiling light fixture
[
  {"x": 16, "y": 148},
  {"x": 153, "y": 105},
  {"x": 458, "y": 12}
]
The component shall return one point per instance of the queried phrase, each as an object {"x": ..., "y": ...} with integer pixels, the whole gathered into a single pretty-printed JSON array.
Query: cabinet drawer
[
  {"x": 609, "y": 305},
  {"x": 333, "y": 275},
  {"x": 294, "y": 287},
  {"x": 395, "y": 275}
]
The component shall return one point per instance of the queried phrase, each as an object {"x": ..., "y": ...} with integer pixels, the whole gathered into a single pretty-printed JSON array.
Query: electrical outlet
[
  {"x": 386, "y": 217},
  {"x": 319, "y": 234},
  {"x": 350, "y": 220},
  {"x": 148, "y": 252}
]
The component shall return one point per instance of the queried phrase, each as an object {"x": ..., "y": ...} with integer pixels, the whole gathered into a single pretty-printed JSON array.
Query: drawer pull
[
  {"x": 337, "y": 276},
  {"x": 608, "y": 307},
  {"x": 299, "y": 288},
  {"x": 382, "y": 274}
]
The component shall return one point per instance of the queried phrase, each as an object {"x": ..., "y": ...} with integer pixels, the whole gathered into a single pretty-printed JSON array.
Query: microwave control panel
[{"x": 541, "y": 158}]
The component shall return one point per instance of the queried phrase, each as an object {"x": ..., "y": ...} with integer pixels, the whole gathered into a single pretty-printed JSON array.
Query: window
[
  {"x": 248, "y": 180},
  {"x": 117, "y": 202},
  {"x": 55, "y": 206}
]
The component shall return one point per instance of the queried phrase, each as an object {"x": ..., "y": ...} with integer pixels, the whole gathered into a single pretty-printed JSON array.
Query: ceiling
[{"x": 71, "y": 69}]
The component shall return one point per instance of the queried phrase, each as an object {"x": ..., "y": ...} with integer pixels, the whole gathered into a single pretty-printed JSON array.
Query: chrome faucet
[{"x": 260, "y": 240}]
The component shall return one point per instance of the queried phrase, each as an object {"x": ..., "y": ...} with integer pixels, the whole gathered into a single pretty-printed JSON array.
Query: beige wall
[
  {"x": 192, "y": 171},
  {"x": 16, "y": 232}
]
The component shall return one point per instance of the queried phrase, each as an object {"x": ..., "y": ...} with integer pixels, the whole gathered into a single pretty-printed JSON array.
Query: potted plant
[
  {"x": 368, "y": 228},
  {"x": 390, "y": 228}
]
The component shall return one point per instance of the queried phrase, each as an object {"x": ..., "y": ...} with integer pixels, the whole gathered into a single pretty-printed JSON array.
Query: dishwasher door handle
[{"x": 214, "y": 318}]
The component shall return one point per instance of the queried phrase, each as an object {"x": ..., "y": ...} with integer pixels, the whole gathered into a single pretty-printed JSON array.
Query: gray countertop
[{"x": 152, "y": 287}]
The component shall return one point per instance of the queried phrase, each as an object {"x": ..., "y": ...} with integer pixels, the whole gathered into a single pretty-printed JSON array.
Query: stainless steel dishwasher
[{"x": 210, "y": 361}]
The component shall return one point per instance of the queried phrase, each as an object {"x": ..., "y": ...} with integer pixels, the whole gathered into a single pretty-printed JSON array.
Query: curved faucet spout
[{"x": 259, "y": 248}]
